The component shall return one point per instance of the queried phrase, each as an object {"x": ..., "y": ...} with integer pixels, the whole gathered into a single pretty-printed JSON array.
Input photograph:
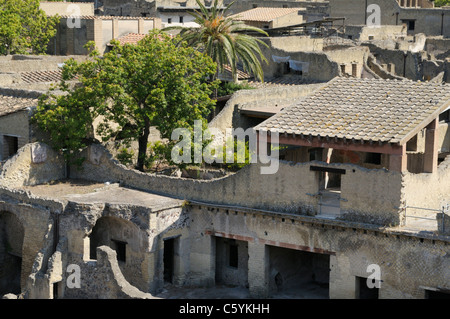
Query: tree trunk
[{"x": 143, "y": 141}]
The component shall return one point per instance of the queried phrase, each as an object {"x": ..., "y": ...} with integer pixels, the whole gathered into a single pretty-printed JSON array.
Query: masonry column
[
  {"x": 430, "y": 161},
  {"x": 141, "y": 26},
  {"x": 70, "y": 41},
  {"x": 398, "y": 162},
  {"x": 203, "y": 261},
  {"x": 258, "y": 270},
  {"x": 115, "y": 28},
  {"x": 342, "y": 283}
]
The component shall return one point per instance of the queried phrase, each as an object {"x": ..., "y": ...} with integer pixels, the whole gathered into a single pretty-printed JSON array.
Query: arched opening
[
  {"x": 11, "y": 242},
  {"x": 126, "y": 239}
]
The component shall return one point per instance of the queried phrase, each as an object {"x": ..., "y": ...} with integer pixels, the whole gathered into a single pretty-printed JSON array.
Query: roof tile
[{"x": 338, "y": 109}]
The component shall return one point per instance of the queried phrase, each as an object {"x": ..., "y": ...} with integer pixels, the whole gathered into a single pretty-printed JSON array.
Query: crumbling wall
[
  {"x": 428, "y": 190},
  {"x": 227, "y": 117},
  {"x": 437, "y": 45},
  {"x": 290, "y": 189},
  {"x": 103, "y": 279},
  {"x": 351, "y": 60},
  {"x": 34, "y": 163},
  {"x": 35, "y": 218},
  {"x": 321, "y": 68},
  {"x": 406, "y": 64}
]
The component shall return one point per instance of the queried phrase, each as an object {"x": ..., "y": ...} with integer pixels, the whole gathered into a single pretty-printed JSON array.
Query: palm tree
[{"x": 224, "y": 40}]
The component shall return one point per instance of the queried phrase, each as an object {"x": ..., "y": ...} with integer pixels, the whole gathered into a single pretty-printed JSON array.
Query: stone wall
[
  {"x": 229, "y": 116},
  {"x": 429, "y": 21},
  {"x": 381, "y": 33},
  {"x": 428, "y": 190},
  {"x": 36, "y": 222},
  {"x": 16, "y": 126},
  {"x": 33, "y": 164},
  {"x": 20, "y": 63},
  {"x": 244, "y": 5},
  {"x": 103, "y": 279},
  {"x": 290, "y": 189},
  {"x": 71, "y": 38},
  {"x": 297, "y": 43},
  {"x": 321, "y": 67},
  {"x": 408, "y": 263},
  {"x": 404, "y": 64},
  {"x": 52, "y": 8}
]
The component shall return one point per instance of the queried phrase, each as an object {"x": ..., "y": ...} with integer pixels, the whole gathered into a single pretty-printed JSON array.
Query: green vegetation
[
  {"x": 228, "y": 88},
  {"x": 132, "y": 88},
  {"x": 224, "y": 40},
  {"x": 241, "y": 154},
  {"x": 24, "y": 27},
  {"x": 441, "y": 3}
]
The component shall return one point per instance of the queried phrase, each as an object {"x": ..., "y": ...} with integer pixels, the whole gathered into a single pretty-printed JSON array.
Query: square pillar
[
  {"x": 342, "y": 282},
  {"x": 203, "y": 261},
  {"x": 399, "y": 162},
  {"x": 141, "y": 26},
  {"x": 258, "y": 270},
  {"x": 115, "y": 28},
  {"x": 431, "y": 147}
]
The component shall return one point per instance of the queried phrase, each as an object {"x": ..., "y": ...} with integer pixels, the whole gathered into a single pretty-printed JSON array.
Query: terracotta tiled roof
[
  {"x": 94, "y": 17},
  {"x": 242, "y": 75},
  {"x": 41, "y": 76},
  {"x": 264, "y": 14},
  {"x": 384, "y": 111},
  {"x": 131, "y": 38},
  {"x": 12, "y": 101}
]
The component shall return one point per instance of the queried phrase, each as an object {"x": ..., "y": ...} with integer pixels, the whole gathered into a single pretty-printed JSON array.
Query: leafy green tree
[
  {"x": 224, "y": 40},
  {"x": 131, "y": 88},
  {"x": 441, "y": 3},
  {"x": 24, "y": 27}
]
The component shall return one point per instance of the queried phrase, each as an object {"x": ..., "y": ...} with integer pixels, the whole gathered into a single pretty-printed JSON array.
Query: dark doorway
[
  {"x": 121, "y": 249},
  {"x": 364, "y": 291},
  {"x": 12, "y": 268},
  {"x": 12, "y": 145},
  {"x": 169, "y": 250},
  {"x": 11, "y": 242},
  {"x": 231, "y": 262},
  {"x": 298, "y": 274}
]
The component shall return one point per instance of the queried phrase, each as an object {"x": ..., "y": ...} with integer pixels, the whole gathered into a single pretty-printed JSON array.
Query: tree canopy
[
  {"x": 225, "y": 40},
  {"x": 24, "y": 27},
  {"x": 441, "y": 3},
  {"x": 131, "y": 88}
]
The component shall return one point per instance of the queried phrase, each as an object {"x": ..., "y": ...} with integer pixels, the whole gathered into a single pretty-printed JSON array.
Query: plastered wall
[{"x": 407, "y": 263}]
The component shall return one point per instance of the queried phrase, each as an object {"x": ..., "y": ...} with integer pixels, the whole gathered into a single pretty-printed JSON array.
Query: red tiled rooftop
[{"x": 264, "y": 14}]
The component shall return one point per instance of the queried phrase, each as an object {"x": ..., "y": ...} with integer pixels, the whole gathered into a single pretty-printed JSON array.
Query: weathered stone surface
[{"x": 38, "y": 153}]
